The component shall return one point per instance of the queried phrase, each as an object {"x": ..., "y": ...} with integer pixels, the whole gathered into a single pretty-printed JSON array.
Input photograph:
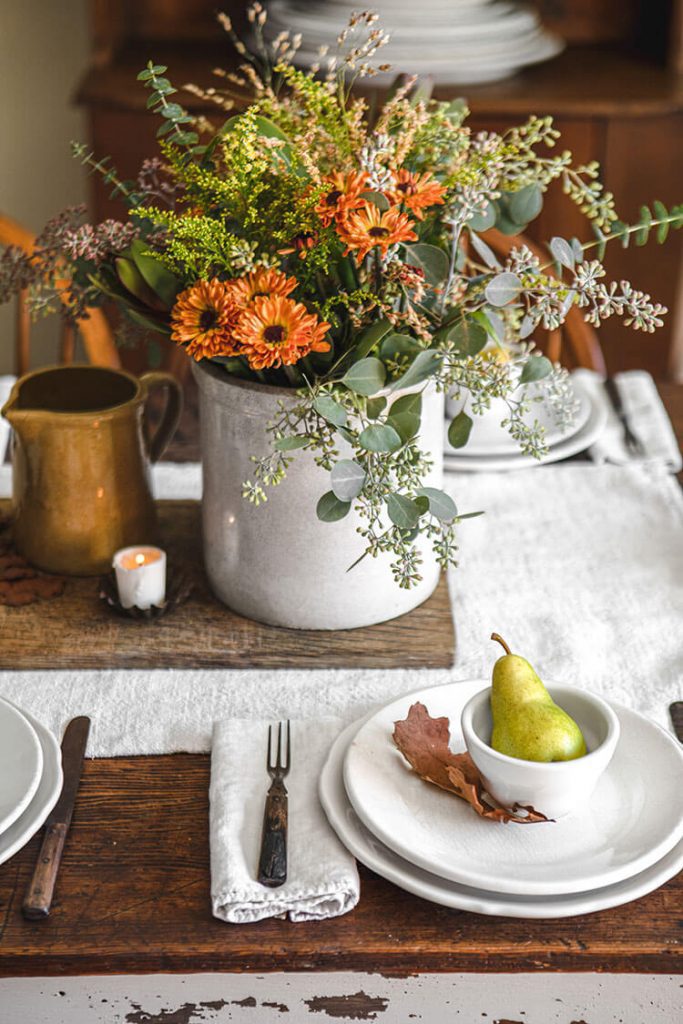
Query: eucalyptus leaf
[
  {"x": 470, "y": 515},
  {"x": 371, "y": 337},
  {"x": 375, "y": 407},
  {"x": 348, "y": 479},
  {"x": 366, "y": 377},
  {"x": 330, "y": 410},
  {"x": 526, "y": 328},
  {"x": 503, "y": 289},
  {"x": 468, "y": 337},
  {"x": 535, "y": 368},
  {"x": 459, "y": 430},
  {"x": 431, "y": 260},
  {"x": 159, "y": 278},
  {"x": 133, "y": 281},
  {"x": 397, "y": 345},
  {"x": 380, "y": 437},
  {"x": 330, "y": 509},
  {"x": 290, "y": 444},
  {"x": 403, "y": 512},
  {"x": 377, "y": 198},
  {"x": 147, "y": 321},
  {"x": 525, "y": 205},
  {"x": 441, "y": 504},
  {"x": 485, "y": 252},
  {"x": 424, "y": 365},
  {"x": 407, "y": 403},
  {"x": 406, "y": 424},
  {"x": 483, "y": 221},
  {"x": 562, "y": 252}
]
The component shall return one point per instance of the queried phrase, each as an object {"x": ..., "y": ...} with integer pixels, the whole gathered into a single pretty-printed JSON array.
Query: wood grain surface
[
  {"x": 133, "y": 897},
  {"x": 78, "y": 630}
]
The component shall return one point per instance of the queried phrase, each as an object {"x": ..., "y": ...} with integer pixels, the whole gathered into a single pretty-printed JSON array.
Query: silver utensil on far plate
[{"x": 634, "y": 446}]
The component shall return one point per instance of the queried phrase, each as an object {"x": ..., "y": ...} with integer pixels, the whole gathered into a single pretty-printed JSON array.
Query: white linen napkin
[
  {"x": 646, "y": 414},
  {"x": 322, "y": 879}
]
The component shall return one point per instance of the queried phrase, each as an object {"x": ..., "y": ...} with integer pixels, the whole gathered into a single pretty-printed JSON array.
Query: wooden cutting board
[{"x": 78, "y": 630}]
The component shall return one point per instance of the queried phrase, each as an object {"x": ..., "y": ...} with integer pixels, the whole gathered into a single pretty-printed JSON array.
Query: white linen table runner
[{"x": 578, "y": 566}]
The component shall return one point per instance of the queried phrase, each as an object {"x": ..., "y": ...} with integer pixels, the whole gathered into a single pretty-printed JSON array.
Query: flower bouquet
[{"x": 325, "y": 266}]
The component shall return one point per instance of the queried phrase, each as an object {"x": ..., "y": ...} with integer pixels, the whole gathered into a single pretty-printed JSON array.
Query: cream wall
[{"x": 43, "y": 51}]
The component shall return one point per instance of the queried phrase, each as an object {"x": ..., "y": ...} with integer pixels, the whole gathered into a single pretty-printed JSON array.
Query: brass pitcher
[{"x": 81, "y": 464}]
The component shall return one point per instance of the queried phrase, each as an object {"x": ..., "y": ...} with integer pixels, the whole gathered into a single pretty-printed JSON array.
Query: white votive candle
[{"x": 140, "y": 576}]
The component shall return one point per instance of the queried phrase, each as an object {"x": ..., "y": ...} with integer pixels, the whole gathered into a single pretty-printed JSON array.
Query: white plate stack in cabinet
[{"x": 454, "y": 41}]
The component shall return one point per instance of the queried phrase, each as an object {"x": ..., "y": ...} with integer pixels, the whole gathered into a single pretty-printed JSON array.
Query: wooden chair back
[
  {"x": 576, "y": 342},
  {"x": 98, "y": 339}
]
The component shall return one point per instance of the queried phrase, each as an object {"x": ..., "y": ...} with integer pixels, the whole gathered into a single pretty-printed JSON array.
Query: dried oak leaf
[
  {"x": 424, "y": 742},
  {"x": 21, "y": 584}
]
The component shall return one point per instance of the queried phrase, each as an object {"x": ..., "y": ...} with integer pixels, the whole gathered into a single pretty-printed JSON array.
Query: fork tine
[
  {"x": 268, "y": 749},
  {"x": 289, "y": 743},
  {"x": 278, "y": 762}
]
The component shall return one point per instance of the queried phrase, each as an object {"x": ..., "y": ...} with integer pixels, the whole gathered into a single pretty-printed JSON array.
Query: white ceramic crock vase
[{"x": 278, "y": 563}]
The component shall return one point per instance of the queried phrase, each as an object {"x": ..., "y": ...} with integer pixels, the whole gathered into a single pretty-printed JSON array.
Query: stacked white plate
[
  {"x": 30, "y": 777},
  {"x": 627, "y": 842},
  {"x": 491, "y": 448},
  {"x": 454, "y": 41}
]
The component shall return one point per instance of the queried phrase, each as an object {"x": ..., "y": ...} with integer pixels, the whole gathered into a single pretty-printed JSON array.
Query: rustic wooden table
[{"x": 133, "y": 899}]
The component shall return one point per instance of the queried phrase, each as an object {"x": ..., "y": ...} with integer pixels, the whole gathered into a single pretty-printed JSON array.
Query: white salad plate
[
  {"x": 488, "y": 437},
  {"x": 21, "y": 763},
  {"x": 44, "y": 798},
  {"x": 633, "y": 819},
  {"x": 379, "y": 858},
  {"x": 458, "y": 460}
]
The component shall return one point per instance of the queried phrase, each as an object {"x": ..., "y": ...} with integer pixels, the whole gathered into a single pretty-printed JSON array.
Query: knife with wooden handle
[
  {"x": 676, "y": 712},
  {"x": 38, "y": 899}
]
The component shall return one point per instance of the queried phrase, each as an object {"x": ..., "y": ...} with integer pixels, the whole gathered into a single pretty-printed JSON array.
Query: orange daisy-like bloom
[
  {"x": 260, "y": 282},
  {"x": 369, "y": 226},
  {"x": 276, "y": 331},
  {"x": 204, "y": 318},
  {"x": 416, "y": 191},
  {"x": 343, "y": 194},
  {"x": 301, "y": 244}
]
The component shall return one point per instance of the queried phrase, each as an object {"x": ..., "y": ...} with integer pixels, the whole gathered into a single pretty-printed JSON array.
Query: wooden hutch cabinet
[{"x": 616, "y": 94}]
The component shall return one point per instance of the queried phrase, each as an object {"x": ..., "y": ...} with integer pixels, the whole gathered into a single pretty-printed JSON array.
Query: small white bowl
[{"x": 555, "y": 788}]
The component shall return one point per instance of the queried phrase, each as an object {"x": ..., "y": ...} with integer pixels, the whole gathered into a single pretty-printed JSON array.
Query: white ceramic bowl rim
[{"x": 608, "y": 714}]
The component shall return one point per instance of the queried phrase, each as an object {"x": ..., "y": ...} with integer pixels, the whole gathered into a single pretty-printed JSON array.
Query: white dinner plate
[
  {"x": 487, "y": 437},
  {"x": 634, "y": 817},
  {"x": 379, "y": 858},
  {"x": 44, "y": 798},
  {"x": 457, "y": 461},
  {"x": 21, "y": 763}
]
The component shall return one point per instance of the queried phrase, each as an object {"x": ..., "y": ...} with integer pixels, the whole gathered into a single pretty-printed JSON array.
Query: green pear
[{"x": 527, "y": 723}]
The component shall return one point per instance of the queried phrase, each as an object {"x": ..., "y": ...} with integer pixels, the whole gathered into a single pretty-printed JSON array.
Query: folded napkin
[
  {"x": 646, "y": 415},
  {"x": 322, "y": 880}
]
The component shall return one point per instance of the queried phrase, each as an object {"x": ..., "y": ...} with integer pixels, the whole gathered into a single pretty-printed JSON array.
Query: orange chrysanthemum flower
[
  {"x": 260, "y": 282},
  {"x": 276, "y": 331},
  {"x": 204, "y": 318},
  {"x": 369, "y": 226},
  {"x": 416, "y": 191},
  {"x": 343, "y": 194}
]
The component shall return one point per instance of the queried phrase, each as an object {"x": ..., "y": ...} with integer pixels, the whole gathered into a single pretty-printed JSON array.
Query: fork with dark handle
[
  {"x": 634, "y": 446},
  {"x": 273, "y": 860}
]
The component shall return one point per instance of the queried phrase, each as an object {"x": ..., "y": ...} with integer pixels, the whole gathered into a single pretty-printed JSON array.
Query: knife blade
[
  {"x": 676, "y": 712},
  {"x": 40, "y": 891}
]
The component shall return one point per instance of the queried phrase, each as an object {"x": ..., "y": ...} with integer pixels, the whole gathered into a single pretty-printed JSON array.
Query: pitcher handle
[{"x": 172, "y": 410}]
